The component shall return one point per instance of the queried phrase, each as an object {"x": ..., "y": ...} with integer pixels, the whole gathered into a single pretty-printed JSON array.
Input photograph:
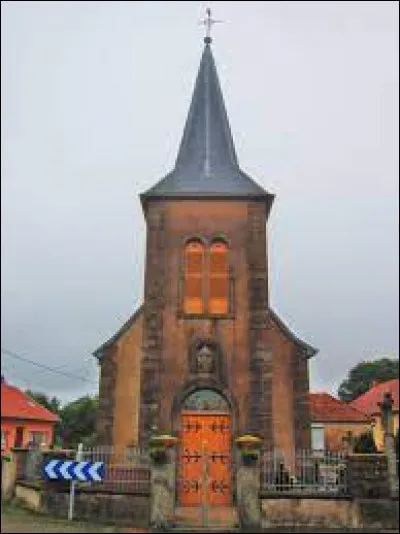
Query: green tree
[
  {"x": 364, "y": 374},
  {"x": 365, "y": 444},
  {"x": 78, "y": 421}
]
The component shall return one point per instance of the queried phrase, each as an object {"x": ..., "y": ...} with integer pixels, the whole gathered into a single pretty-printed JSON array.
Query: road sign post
[
  {"x": 72, "y": 486},
  {"x": 73, "y": 470},
  {"x": 60, "y": 469}
]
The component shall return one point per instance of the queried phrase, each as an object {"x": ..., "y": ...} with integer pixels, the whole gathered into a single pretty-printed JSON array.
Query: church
[{"x": 206, "y": 341}]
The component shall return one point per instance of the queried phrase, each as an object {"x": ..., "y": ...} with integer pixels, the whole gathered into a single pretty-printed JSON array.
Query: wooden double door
[{"x": 205, "y": 466}]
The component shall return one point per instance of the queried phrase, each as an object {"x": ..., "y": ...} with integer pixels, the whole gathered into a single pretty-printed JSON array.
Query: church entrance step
[
  {"x": 222, "y": 518},
  {"x": 218, "y": 530}
]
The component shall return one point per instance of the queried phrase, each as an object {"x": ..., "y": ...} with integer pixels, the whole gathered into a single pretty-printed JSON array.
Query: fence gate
[{"x": 205, "y": 466}]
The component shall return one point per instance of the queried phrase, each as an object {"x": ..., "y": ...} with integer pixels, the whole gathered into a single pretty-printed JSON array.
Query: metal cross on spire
[{"x": 208, "y": 22}]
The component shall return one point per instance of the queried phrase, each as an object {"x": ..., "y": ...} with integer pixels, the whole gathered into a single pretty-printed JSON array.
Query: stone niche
[{"x": 205, "y": 361}]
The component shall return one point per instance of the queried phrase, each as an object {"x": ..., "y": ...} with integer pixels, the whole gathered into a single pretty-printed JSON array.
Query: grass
[{"x": 15, "y": 518}]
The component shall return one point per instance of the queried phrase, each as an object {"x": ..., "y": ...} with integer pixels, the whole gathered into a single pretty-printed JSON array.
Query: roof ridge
[
  {"x": 310, "y": 350},
  {"x": 110, "y": 341}
]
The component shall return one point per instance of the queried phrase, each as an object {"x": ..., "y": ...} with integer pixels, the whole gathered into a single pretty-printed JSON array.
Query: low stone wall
[
  {"x": 308, "y": 512},
  {"x": 123, "y": 509},
  {"x": 101, "y": 507},
  {"x": 30, "y": 496},
  {"x": 343, "y": 513}
]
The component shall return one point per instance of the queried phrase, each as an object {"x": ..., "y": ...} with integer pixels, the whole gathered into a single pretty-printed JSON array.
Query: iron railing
[
  {"x": 127, "y": 470},
  {"x": 306, "y": 472}
]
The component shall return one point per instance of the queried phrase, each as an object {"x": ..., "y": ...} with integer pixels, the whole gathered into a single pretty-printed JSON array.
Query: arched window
[
  {"x": 193, "y": 302},
  {"x": 218, "y": 294}
]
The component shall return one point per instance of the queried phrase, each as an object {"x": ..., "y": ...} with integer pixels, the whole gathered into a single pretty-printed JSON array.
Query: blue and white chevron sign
[{"x": 74, "y": 470}]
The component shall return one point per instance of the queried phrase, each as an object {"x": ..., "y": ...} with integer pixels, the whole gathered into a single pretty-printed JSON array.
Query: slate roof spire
[
  {"x": 207, "y": 143},
  {"x": 206, "y": 164}
]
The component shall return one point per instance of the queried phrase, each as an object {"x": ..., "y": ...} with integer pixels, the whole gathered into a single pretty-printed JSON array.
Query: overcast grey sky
[{"x": 94, "y": 96}]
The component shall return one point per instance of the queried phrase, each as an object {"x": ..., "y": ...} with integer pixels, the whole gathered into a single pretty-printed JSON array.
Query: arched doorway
[{"x": 204, "y": 464}]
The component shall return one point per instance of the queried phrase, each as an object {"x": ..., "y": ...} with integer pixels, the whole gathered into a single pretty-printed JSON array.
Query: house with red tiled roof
[
  {"x": 332, "y": 420},
  {"x": 23, "y": 421},
  {"x": 368, "y": 403}
]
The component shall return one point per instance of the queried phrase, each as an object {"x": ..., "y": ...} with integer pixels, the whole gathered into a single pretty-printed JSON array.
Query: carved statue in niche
[{"x": 205, "y": 359}]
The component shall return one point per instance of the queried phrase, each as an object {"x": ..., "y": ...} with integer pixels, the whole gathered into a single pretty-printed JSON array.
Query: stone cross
[
  {"x": 208, "y": 22},
  {"x": 386, "y": 407}
]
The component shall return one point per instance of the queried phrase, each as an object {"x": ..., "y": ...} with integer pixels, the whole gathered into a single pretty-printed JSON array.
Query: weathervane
[{"x": 208, "y": 22}]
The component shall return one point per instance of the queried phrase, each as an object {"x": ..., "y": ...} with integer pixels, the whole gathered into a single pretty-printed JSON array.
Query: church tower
[
  {"x": 206, "y": 280},
  {"x": 206, "y": 340}
]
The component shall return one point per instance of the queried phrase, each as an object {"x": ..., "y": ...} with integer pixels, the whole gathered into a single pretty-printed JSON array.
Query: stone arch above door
[{"x": 192, "y": 387}]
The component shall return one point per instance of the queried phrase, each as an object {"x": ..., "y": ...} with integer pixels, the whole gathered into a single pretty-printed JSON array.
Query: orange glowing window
[
  {"x": 193, "y": 284},
  {"x": 218, "y": 279}
]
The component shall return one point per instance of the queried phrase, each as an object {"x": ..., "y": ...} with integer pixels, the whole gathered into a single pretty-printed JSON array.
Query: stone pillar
[
  {"x": 163, "y": 491},
  {"x": 8, "y": 477},
  {"x": 34, "y": 463},
  {"x": 248, "y": 493},
  {"x": 386, "y": 407}
]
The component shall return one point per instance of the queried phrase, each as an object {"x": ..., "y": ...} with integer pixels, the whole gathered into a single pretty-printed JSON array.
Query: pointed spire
[
  {"x": 207, "y": 144},
  {"x": 206, "y": 164}
]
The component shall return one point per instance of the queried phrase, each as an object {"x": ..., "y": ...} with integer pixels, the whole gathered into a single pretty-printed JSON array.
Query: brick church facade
[{"x": 206, "y": 326}]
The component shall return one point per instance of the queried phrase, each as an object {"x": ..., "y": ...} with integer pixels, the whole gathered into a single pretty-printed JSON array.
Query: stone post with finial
[{"x": 386, "y": 407}]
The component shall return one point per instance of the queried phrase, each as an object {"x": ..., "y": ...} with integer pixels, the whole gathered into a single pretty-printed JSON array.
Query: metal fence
[
  {"x": 127, "y": 470},
  {"x": 307, "y": 472}
]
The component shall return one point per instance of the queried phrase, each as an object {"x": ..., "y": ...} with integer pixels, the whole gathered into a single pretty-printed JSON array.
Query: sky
[{"x": 94, "y": 96}]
